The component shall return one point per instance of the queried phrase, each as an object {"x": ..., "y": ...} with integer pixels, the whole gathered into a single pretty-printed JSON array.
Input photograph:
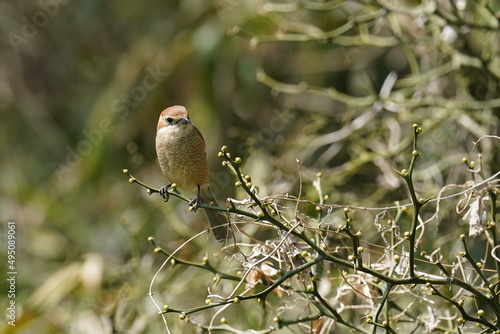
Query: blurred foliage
[{"x": 335, "y": 84}]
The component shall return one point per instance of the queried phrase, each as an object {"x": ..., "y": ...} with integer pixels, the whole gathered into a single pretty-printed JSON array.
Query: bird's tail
[{"x": 218, "y": 220}]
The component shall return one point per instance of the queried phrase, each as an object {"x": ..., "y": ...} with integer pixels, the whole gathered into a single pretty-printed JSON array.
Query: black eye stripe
[{"x": 172, "y": 121}]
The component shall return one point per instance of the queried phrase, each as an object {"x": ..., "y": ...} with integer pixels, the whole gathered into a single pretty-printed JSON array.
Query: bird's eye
[{"x": 169, "y": 120}]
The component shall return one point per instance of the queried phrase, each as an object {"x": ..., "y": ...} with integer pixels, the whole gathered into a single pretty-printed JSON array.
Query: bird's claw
[
  {"x": 195, "y": 203},
  {"x": 164, "y": 193}
]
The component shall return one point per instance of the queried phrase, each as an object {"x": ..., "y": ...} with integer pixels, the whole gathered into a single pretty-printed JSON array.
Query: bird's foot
[
  {"x": 164, "y": 192},
  {"x": 195, "y": 203}
]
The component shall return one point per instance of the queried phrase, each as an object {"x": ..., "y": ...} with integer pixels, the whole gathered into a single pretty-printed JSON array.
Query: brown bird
[{"x": 180, "y": 148}]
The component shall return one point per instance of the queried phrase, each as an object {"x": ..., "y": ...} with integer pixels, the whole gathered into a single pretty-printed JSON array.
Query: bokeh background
[{"x": 335, "y": 84}]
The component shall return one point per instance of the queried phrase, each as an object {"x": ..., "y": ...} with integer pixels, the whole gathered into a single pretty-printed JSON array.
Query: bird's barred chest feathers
[{"x": 182, "y": 156}]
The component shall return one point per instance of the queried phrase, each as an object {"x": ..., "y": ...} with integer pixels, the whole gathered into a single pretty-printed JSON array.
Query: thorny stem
[
  {"x": 383, "y": 302},
  {"x": 494, "y": 299},
  {"x": 494, "y": 237},
  {"x": 173, "y": 192},
  {"x": 283, "y": 323},
  {"x": 260, "y": 296},
  {"x": 327, "y": 310},
  {"x": 459, "y": 306},
  {"x": 416, "y": 203},
  {"x": 204, "y": 265}
]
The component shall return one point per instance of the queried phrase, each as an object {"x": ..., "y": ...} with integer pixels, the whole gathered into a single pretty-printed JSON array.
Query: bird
[{"x": 182, "y": 157}]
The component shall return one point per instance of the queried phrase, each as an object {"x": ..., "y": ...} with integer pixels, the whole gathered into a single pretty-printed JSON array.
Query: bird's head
[{"x": 173, "y": 116}]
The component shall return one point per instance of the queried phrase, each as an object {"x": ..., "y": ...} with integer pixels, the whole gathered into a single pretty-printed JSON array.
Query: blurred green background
[{"x": 82, "y": 85}]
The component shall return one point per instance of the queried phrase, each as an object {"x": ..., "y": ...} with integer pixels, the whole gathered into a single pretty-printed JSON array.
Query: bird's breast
[{"x": 182, "y": 157}]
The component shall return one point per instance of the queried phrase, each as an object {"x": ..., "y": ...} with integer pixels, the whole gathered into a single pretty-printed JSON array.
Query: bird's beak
[{"x": 183, "y": 120}]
